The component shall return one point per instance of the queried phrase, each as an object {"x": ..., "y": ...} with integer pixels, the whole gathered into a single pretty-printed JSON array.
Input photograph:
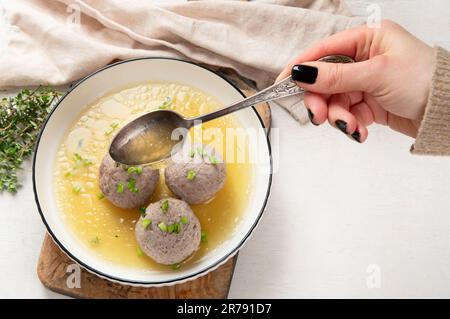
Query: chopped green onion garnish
[
  {"x": 76, "y": 188},
  {"x": 87, "y": 162},
  {"x": 100, "y": 196},
  {"x": 119, "y": 187},
  {"x": 162, "y": 226},
  {"x": 184, "y": 220},
  {"x": 176, "y": 228},
  {"x": 134, "y": 169},
  {"x": 139, "y": 251},
  {"x": 176, "y": 266},
  {"x": 132, "y": 185},
  {"x": 165, "y": 104},
  {"x": 142, "y": 210},
  {"x": 95, "y": 240},
  {"x": 203, "y": 238},
  {"x": 79, "y": 160},
  {"x": 165, "y": 206},
  {"x": 170, "y": 228},
  {"x": 201, "y": 151},
  {"x": 191, "y": 175},
  {"x": 111, "y": 128},
  {"x": 213, "y": 160},
  {"x": 146, "y": 222}
]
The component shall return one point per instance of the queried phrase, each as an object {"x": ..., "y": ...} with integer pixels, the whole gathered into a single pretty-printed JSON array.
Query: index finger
[{"x": 354, "y": 42}]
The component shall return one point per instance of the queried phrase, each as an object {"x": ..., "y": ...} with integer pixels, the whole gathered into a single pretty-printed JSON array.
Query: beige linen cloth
[{"x": 59, "y": 41}]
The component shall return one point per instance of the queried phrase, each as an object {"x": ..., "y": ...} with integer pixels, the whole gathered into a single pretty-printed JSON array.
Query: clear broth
[{"x": 108, "y": 230}]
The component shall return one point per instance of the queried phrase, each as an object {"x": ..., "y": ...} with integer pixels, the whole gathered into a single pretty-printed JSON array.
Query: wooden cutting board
[{"x": 55, "y": 269}]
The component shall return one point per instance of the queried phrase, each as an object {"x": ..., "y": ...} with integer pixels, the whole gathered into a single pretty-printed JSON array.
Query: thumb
[{"x": 333, "y": 78}]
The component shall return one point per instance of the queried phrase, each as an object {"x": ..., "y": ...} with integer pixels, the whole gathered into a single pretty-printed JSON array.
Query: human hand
[{"x": 389, "y": 83}]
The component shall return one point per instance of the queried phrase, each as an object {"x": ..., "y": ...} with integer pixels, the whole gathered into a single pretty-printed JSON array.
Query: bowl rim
[{"x": 101, "y": 274}]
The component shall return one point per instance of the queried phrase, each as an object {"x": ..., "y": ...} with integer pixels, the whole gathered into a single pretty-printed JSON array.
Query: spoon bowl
[
  {"x": 149, "y": 138},
  {"x": 152, "y": 137}
]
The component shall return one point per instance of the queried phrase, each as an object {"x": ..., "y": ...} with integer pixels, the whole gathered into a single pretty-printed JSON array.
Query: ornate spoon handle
[{"x": 284, "y": 88}]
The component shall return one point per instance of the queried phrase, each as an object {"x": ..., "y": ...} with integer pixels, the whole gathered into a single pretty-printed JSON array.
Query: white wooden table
[{"x": 343, "y": 220}]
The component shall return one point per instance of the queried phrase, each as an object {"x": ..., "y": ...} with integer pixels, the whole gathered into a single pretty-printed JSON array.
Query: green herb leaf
[
  {"x": 76, "y": 188},
  {"x": 146, "y": 223},
  {"x": 176, "y": 266},
  {"x": 111, "y": 128},
  {"x": 95, "y": 240},
  {"x": 87, "y": 162},
  {"x": 21, "y": 118},
  {"x": 213, "y": 160},
  {"x": 165, "y": 104},
  {"x": 184, "y": 220},
  {"x": 79, "y": 161},
  {"x": 201, "y": 151},
  {"x": 132, "y": 185},
  {"x": 191, "y": 175},
  {"x": 143, "y": 211},
  {"x": 165, "y": 206},
  {"x": 119, "y": 187},
  {"x": 176, "y": 228},
  {"x": 162, "y": 226},
  {"x": 203, "y": 237}
]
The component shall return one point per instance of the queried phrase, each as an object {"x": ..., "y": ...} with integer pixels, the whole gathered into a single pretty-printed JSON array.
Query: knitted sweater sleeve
[{"x": 433, "y": 137}]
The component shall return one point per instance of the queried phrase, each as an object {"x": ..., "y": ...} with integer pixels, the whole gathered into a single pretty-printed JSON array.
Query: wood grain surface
[{"x": 55, "y": 269}]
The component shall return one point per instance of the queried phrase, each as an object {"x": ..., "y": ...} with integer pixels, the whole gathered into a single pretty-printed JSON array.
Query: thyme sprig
[{"x": 21, "y": 118}]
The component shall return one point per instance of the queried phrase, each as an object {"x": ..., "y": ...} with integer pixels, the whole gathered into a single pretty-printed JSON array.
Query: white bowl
[{"x": 116, "y": 76}]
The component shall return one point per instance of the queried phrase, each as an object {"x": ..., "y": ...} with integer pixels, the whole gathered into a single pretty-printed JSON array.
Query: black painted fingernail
[
  {"x": 356, "y": 136},
  {"x": 311, "y": 117},
  {"x": 304, "y": 73},
  {"x": 341, "y": 125}
]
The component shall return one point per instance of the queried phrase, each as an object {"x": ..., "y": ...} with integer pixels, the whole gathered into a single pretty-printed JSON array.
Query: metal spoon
[{"x": 148, "y": 139}]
